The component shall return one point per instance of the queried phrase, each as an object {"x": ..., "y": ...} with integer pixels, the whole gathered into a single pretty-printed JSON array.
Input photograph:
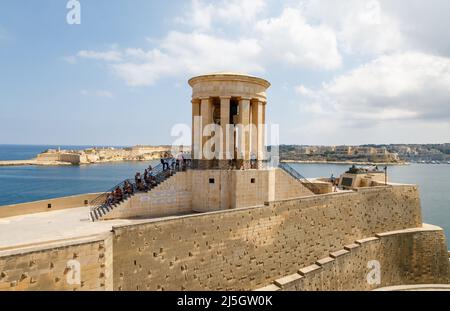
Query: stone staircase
[{"x": 100, "y": 207}]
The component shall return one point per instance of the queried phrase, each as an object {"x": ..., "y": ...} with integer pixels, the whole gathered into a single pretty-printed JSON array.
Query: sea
[{"x": 20, "y": 184}]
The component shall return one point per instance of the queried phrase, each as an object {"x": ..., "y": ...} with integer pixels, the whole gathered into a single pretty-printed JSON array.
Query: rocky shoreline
[{"x": 32, "y": 162}]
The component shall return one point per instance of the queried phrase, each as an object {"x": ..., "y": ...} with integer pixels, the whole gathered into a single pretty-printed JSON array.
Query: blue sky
[{"x": 360, "y": 72}]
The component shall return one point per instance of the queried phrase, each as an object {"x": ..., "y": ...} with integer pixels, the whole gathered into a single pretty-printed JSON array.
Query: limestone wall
[
  {"x": 84, "y": 264},
  {"x": 43, "y": 205},
  {"x": 211, "y": 190},
  {"x": 60, "y": 157},
  {"x": 304, "y": 243},
  {"x": 411, "y": 256},
  {"x": 251, "y": 247},
  {"x": 242, "y": 188},
  {"x": 287, "y": 187}
]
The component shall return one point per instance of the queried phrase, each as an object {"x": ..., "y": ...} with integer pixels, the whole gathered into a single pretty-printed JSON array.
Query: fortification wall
[
  {"x": 242, "y": 188},
  {"x": 48, "y": 157},
  {"x": 211, "y": 190},
  {"x": 404, "y": 257},
  {"x": 70, "y": 158},
  {"x": 43, "y": 205},
  {"x": 287, "y": 187},
  {"x": 84, "y": 264},
  {"x": 249, "y": 248}
]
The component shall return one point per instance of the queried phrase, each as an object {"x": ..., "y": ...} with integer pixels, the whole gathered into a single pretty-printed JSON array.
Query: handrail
[
  {"x": 157, "y": 172},
  {"x": 294, "y": 173}
]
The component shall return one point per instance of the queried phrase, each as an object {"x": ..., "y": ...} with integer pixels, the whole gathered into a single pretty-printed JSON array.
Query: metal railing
[
  {"x": 159, "y": 173},
  {"x": 288, "y": 169}
]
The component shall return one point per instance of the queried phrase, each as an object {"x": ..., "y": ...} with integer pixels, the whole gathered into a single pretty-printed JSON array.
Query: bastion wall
[
  {"x": 47, "y": 205},
  {"x": 81, "y": 264},
  {"x": 248, "y": 248},
  {"x": 410, "y": 256}
]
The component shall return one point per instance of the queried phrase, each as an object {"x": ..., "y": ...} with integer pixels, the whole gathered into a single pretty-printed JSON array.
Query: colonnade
[{"x": 242, "y": 138}]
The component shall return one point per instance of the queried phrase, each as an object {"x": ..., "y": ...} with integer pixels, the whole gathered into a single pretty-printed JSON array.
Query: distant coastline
[
  {"x": 346, "y": 162},
  {"x": 96, "y": 155},
  {"x": 33, "y": 162}
]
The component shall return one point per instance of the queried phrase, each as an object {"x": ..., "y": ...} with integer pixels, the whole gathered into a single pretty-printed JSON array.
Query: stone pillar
[
  {"x": 196, "y": 129},
  {"x": 226, "y": 139},
  {"x": 262, "y": 131},
  {"x": 255, "y": 120},
  {"x": 207, "y": 118},
  {"x": 244, "y": 121}
]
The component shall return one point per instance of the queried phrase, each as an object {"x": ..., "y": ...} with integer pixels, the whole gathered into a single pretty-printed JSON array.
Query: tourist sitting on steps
[
  {"x": 137, "y": 178},
  {"x": 127, "y": 188},
  {"x": 110, "y": 198},
  {"x": 118, "y": 195},
  {"x": 152, "y": 181}
]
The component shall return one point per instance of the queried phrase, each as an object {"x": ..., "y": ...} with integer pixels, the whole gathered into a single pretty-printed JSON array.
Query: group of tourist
[
  {"x": 180, "y": 163},
  {"x": 146, "y": 181}
]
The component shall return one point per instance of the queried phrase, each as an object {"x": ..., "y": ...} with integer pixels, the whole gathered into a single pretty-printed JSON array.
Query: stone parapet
[{"x": 401, "y": 257}]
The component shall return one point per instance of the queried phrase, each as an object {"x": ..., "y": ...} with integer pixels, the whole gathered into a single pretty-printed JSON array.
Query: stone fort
[{"x": 233, "y": 219}]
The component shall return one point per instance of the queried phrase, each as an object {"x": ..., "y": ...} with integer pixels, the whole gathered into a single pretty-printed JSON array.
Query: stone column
[
  {"x": 207, "y": 118},
  {"x": 255, "y": 120},
  {"x": 196, "y": 129},
  {"x": 244, "y": 121},
  {"x": 262, "y": 131},
  {"x": 226, "y": 139}
]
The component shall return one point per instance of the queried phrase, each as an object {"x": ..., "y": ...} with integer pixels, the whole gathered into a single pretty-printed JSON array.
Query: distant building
[{"x": 344, "y": 150}]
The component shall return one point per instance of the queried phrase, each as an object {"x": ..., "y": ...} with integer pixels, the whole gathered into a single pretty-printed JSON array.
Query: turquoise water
[
  {"x": 29, "y": 183},
  {"x": 19, "y": 184}
]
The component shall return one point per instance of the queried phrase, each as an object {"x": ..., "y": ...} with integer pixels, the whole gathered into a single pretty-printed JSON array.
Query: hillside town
[{"x": 401, "y": 153}]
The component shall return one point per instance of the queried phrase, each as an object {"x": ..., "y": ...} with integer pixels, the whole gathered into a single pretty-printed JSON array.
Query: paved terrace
[{"x": 32, "y": 229}]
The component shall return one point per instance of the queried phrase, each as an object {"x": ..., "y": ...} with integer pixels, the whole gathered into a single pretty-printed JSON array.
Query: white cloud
[
  {"x": 361, "y": 26},
  {"x": 289, "y": 38},
  {"x": 401, "y": 86},
  {"x": 424, "y": 24},
  {"x": 202, "y": 15},
  {"x": 188, "y": 53},
  {"x": 109, "y": 56}
]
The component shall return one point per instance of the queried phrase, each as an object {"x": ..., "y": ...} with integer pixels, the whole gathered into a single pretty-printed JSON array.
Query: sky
[{"x": 342, "y": 72}]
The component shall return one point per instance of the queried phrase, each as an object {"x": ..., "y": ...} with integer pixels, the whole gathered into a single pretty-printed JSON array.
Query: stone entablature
[{"x": 227, "y": 85}]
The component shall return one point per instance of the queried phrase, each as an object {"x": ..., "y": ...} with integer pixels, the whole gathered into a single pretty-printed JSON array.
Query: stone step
[{"x": 92, "y": 216}]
